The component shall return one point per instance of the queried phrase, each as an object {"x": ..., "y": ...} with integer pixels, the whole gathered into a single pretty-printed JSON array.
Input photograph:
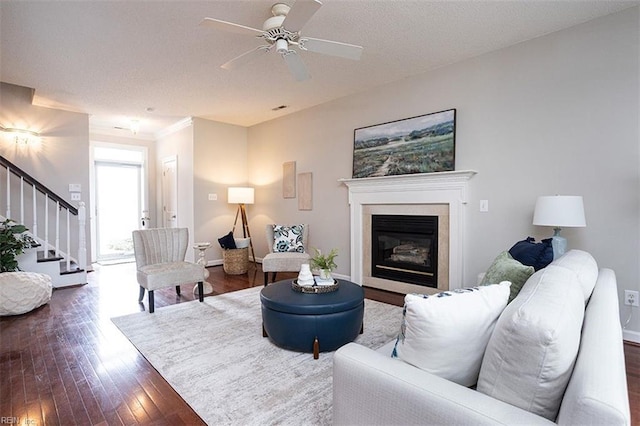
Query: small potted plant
[
  {"x": 13, "y": 241},
  {"x": 324, "y": 263}
]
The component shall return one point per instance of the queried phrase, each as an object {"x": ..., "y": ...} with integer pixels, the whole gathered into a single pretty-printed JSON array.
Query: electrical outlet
[{"x": 631, "y": 298}]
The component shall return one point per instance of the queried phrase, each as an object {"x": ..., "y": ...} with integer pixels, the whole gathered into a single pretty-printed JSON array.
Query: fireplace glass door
[{"x": 405, "y": 248}]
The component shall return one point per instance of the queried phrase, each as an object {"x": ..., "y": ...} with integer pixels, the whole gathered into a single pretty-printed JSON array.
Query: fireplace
[
  {"x": 405, "y": 248},
  {"x": 440, "y": 194}
]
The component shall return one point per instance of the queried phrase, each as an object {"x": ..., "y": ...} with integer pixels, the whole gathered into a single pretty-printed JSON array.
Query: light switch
[
  {"x": 213, "y": 197},
  {"x": 75, "y": 196},
  {"x": 75, "y": 187},
  {"x": 484, "y": 205}
]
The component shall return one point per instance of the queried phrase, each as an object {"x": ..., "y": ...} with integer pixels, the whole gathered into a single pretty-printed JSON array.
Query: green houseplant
[
  {"x": 13, "y": 241},
  {"x": 325, "y": 263}
]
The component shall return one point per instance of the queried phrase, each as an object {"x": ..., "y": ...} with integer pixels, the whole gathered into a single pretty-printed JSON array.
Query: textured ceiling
[{"x": 115, "y": 59}]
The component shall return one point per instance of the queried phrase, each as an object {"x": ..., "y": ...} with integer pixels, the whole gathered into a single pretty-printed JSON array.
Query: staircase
[{"x": 50, "y": 220}]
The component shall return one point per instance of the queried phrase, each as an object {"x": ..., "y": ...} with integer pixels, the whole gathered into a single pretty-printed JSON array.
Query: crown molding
[{"x": 179, "y": 125}]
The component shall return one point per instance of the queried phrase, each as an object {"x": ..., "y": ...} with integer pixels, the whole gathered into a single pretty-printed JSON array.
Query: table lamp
[
  {"x": 242, "y": 196},
  {"x": 559, "y": 211}
]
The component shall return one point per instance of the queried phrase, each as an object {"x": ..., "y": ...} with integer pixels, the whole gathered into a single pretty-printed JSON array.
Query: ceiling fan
[{"x": 282, "y": 33}]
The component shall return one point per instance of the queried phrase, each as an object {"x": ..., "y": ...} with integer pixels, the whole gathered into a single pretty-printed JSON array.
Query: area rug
[{"x": 213, "y": 354}]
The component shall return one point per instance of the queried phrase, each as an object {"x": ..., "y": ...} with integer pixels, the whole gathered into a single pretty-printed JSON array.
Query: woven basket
[{"x": 235, "y": 261}]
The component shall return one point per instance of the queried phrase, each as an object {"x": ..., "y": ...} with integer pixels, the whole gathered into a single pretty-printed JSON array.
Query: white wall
[
  {"x": 61, "y": 158},
  {"x": 553, "y": 115},
  {"x": 220, "y": 161},
  {"x": 178, "y": 144}
]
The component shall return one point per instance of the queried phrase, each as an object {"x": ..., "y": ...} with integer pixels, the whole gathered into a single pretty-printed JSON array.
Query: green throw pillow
[{"x": 506, "y": 268}]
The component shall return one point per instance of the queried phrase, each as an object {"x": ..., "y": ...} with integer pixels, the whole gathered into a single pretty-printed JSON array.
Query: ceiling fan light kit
[
  {"x": 282, "y": 46},
  {"x": 282, "y": 30}
]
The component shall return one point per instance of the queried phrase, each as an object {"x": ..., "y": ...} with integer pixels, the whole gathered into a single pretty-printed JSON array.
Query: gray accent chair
[
  {"x": 160, "y": 263},
  {"x": 275, "y": 262}
]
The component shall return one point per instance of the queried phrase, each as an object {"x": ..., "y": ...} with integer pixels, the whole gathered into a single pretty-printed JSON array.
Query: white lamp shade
[
  {"x": 561, "y": 211},
  {"x": 240, "y": 195}
]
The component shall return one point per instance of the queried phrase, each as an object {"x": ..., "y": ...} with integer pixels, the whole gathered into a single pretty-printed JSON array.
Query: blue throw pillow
[
  {"x": 227, "y": 242},
  {"x": 530, "y": 253}
]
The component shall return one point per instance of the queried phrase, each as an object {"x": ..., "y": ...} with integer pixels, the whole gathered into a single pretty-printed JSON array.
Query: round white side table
[{"x": 202, "y": 248}]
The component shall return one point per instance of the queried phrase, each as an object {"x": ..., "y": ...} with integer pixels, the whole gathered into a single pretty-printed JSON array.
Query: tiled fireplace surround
[{"x": 434, "y": 194}]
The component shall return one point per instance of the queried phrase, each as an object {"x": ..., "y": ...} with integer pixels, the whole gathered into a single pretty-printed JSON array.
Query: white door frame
[
  {"x": 92, "y": 177},
  {"x": 169, "y": 192}
]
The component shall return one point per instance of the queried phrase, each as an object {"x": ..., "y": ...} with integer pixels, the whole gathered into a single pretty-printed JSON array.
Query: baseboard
[
  {"x": 631, "y": 336},
  {"x": 342, "y": 277}
]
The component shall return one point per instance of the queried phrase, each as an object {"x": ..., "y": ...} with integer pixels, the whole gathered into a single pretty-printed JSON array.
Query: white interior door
[{"x": 170, "y": 192}]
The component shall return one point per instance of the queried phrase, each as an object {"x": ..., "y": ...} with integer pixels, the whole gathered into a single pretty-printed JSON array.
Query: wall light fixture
[{"x": 21, "y": 136}]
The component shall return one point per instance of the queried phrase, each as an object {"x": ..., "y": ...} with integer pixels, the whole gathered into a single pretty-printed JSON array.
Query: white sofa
[{"x": 370, "y": 387}]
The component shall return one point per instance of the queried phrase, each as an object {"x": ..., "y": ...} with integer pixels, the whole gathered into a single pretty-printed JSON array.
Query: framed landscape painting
[{"x": 422, "y": 144}]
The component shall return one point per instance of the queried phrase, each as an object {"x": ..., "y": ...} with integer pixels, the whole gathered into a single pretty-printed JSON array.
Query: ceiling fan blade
[
  {"x": 333, "y": 48},
  {"x": 230, "y": 27},
  {"x": 296, "y": 66},
  {"x": 245, "y": 58},
  {"x": 300, "y": 13}
]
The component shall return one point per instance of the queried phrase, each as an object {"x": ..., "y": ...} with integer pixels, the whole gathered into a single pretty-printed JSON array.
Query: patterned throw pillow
[
  {"x": 446, "y": 333},
  {"x": 288, "y": 238}
]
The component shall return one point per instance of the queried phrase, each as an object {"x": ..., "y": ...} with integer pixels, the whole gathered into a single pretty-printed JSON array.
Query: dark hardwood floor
[{"x": 66, "y": 363}]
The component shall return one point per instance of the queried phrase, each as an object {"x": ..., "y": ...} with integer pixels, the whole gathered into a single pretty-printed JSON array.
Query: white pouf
[{"x": 21, "y": 292}]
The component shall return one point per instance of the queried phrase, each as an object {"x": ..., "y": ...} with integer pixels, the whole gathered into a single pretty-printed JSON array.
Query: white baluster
[
  {"x": 57, "y": 228},
  {"x": 21, "y": 200},
  {"x": 46, "y": 221},
  {"x": 8, "y": 215},
  {"x": 34, "y": 229},
  {"x": 82, "y": 243},
  {"x": 68, "y": 243}
]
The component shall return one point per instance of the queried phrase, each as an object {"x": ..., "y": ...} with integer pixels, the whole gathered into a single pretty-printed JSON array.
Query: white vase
[
  {"x": 325, "y": 274},
  {"x": 305, "y": 277}
]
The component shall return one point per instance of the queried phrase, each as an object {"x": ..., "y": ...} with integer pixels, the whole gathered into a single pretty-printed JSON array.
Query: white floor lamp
[{"x": 242, "y": 196}]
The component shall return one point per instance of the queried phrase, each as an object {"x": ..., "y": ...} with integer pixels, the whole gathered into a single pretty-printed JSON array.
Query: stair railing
[{"x": 49, "y": 197}]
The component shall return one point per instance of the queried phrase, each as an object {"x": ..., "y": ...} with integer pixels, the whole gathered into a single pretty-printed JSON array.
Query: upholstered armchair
[
  {"x": 160, "y": 261},
  {"x": 288, "y": 249}
]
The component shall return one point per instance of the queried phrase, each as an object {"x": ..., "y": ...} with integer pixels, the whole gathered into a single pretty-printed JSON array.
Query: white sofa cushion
[
  {"x": 530, "y": 356},
  {"x": 446, "y": 333},
  {"x": 585, "y": 267}
]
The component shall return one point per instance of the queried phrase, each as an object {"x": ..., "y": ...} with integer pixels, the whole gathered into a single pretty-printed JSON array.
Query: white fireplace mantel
[{"x": 448, "y": 188}]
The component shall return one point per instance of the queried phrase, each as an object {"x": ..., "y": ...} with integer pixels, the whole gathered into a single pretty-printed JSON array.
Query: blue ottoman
[{"x": 307, "y": 322}]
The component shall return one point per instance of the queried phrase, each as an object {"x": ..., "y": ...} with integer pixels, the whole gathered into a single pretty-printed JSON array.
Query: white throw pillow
[
  {"x": 446, "y": 333},
  {"x": 530, "y": 356}
]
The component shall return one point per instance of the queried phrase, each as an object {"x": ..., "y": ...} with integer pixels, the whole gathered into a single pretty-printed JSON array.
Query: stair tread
[
  {"x": 73, "y": 271},
  {"x": 50, "y": 259},
  {"x": 48, "y": 256}
]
